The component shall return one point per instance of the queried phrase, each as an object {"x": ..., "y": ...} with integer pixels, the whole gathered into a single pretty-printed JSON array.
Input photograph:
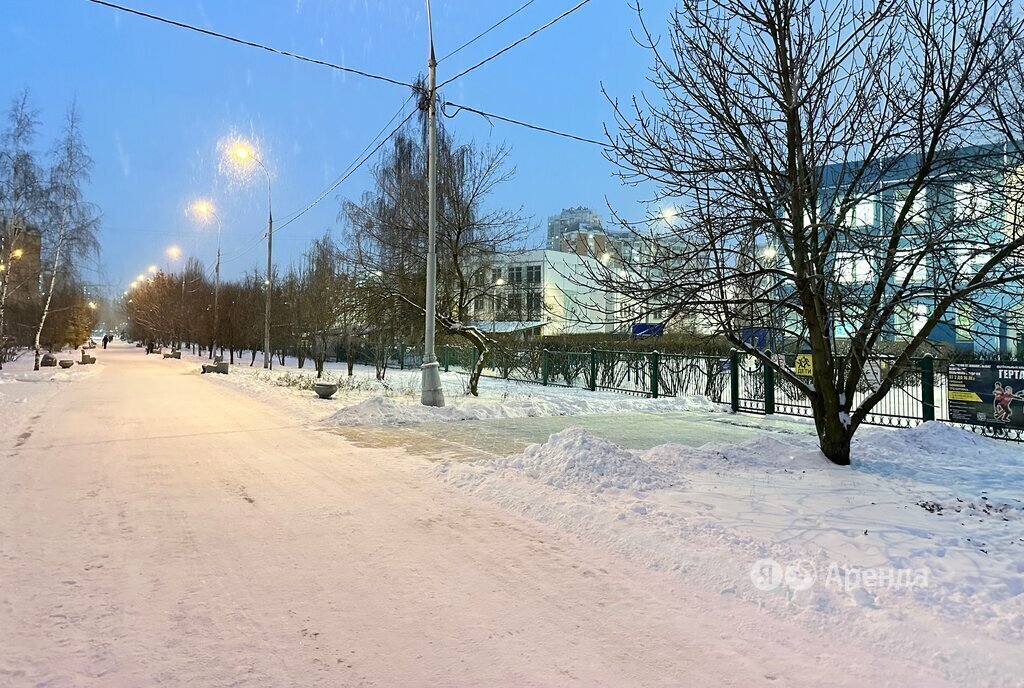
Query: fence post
[
  {"x": 655, "y": 371},
  {"x": 401, "y": 356},
  {"x": 593, "y": 370},
  {"x": 444, "y": 355},
  {"x": 734, "y": 379},
  {"x": 544, "y": 367},
  {"x": 927, "y": 387},
  {"x": 769, "y": 386}
]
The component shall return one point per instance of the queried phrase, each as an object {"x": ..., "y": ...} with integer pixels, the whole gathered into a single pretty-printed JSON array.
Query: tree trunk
[
  {"x": 834, "y": 434},
  {"x": 49, "y": 293}
]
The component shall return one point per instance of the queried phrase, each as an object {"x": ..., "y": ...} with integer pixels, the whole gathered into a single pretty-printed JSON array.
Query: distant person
[{"x": 106, "y": 339}]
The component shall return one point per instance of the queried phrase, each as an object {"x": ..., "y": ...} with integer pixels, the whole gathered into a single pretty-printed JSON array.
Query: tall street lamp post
[
  {"x": 205, "y": 211},
  {"x": 431, "y": 393},
  {"x": 243, "y": 154},
  {"x": 174, "y": 253}
]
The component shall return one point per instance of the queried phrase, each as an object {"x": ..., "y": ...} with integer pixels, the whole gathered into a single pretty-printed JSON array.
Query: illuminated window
[
  {"x": 972, "y": 201},
  {"x": 917, "y": 214},
  {"x": 862, "y": 214}
]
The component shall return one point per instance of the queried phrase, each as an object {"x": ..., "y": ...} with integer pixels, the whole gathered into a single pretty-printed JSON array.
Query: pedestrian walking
[{"x": 106, "y": 338}]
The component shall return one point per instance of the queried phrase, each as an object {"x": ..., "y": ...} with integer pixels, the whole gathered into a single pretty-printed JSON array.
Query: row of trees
[
  {"x": 772, "y": 126},
  {"x": 47, "y": 235},
  {"x": 366, "y": 287}
]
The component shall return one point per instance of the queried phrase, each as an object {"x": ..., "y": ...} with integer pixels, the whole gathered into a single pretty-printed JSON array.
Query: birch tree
[
  {"x": 72, "y": 221},
  {"x": 21, "y": 196}
]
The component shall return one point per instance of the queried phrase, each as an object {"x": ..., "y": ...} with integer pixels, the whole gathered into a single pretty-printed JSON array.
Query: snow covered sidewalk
[{"x": 169, "y": 530}]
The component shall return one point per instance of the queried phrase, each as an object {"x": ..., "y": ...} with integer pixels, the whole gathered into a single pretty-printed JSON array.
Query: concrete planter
[
  {"x": 325, "y": 390},
  {"x": 67, "y": 363},
  {"x": 173, "y": 354}
]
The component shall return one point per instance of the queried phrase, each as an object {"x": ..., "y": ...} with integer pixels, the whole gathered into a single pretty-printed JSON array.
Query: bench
[{"x": 221, "y": 368}]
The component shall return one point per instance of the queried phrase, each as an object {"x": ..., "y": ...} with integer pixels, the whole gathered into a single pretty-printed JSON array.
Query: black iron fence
[{"x": 920, "y": 392}]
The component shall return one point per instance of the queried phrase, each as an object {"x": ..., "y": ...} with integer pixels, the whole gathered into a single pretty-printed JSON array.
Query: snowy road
[{"x": 158, "y": 528}]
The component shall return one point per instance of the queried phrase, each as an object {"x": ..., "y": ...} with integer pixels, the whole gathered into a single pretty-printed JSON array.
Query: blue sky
[{"x": 156, "y": 99}]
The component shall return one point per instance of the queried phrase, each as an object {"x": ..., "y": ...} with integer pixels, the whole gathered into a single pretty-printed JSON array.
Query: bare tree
[
  {"x": 839, "y": 178},
  {"x": 21, "y": 200},
  {"x": 72, "y": 221},
  {"x": 323, "y": 286},
  {"x": 389, "y": 229}
]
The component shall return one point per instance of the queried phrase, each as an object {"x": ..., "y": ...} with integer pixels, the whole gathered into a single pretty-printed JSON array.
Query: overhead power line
[
  {"x": 486, "y": 31},
  {"x": 512, "y": 45},
  {"x": 360, "y": 160},
  {"x": 251, "y": 44},
  {"x": 352, "y": 168},
  {"x": 535, "y": 127}
]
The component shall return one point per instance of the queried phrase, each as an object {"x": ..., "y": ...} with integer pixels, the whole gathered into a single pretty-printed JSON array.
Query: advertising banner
[{"x": 986, "y": 394}]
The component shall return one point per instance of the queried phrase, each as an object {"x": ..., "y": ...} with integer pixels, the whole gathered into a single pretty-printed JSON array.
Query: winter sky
[{"x": 156, "y": 99}]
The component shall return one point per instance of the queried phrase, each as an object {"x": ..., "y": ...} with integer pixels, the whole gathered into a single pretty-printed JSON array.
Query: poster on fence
[{"x": 987, "y": 394}]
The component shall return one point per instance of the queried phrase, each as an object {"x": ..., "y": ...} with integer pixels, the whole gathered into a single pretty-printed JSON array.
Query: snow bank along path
[
  {"x": 170, "y": 531},
  {"x": 711, "y": 513}
]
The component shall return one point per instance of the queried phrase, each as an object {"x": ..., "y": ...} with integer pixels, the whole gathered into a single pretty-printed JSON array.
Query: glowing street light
[
  {"x": 152, "y": 269},
  {"x": 173, "y": 252},
  {"x": 133, "y": 285},
  {"x": 17, "y": 253},
  {"x": 92, "y": 305},
  {"x": 204, "y": 211},
  {"x": 241, "y": 154},
  {"x": 140, "y": 278}
]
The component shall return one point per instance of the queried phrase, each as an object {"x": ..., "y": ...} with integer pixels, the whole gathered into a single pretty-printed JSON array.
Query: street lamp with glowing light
[{"x": 242, "y": 154}]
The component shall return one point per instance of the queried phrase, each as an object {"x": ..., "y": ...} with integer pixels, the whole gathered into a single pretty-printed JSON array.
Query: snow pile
[
  {"x": 382, "y": 410},
  {"x": 911, "y": 548},
  {"x": 388, "y": 411},
  {"x": 943, "y": 455},
  {"x": 575, "y": 458}
]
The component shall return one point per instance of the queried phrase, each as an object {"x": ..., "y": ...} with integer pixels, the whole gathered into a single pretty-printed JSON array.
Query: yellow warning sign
[
  {"x": 963, "y": 396},
  {"x": 804, "y": 366}
]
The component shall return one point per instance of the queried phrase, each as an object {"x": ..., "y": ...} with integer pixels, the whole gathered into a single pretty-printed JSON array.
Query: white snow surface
[
  {"x": 158, "y": 527},
  {"x": 710, "y": 513}
]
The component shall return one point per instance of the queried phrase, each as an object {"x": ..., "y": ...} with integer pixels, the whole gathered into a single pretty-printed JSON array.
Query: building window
[
  {"x": 905, "y": 265},
  {"x": 852, "y": 268},
  {"x": 917, "y": 213},
  {"x": 533, "y": 305},
  {"x": 964, "y": 324},
  {"x": 514, "y": 303},
  {"x": 533, "y": 274},
  {"x": 478, "y": 304},
  {"x": 862, "y": 214},
  {"x": 496, "y": 275},
  {"x": 972, "y": 202},
  {"x": 515, "y": 275}
]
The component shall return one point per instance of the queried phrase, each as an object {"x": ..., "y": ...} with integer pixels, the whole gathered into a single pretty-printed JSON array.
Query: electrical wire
[
  {"x": 512, "y": 45},
  {"x": 352, "y": 168},
  {"x": 535, "y": 127},
  {"x": 346, "y": 173},
  {"x": 487, "y": 30},
  {"x": 251, "y": 44}
]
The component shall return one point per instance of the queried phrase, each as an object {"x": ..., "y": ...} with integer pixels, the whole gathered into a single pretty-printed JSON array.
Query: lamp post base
[{"x": 431, "y": 394}]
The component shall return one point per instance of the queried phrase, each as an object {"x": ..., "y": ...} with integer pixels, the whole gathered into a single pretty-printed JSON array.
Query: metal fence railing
[{"x": 920, "y": 393}]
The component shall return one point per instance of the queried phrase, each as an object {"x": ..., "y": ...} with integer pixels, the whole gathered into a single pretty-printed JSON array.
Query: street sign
[
  {"x": 804, "y": 365},
  {"x": 985, "y": 394}
]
